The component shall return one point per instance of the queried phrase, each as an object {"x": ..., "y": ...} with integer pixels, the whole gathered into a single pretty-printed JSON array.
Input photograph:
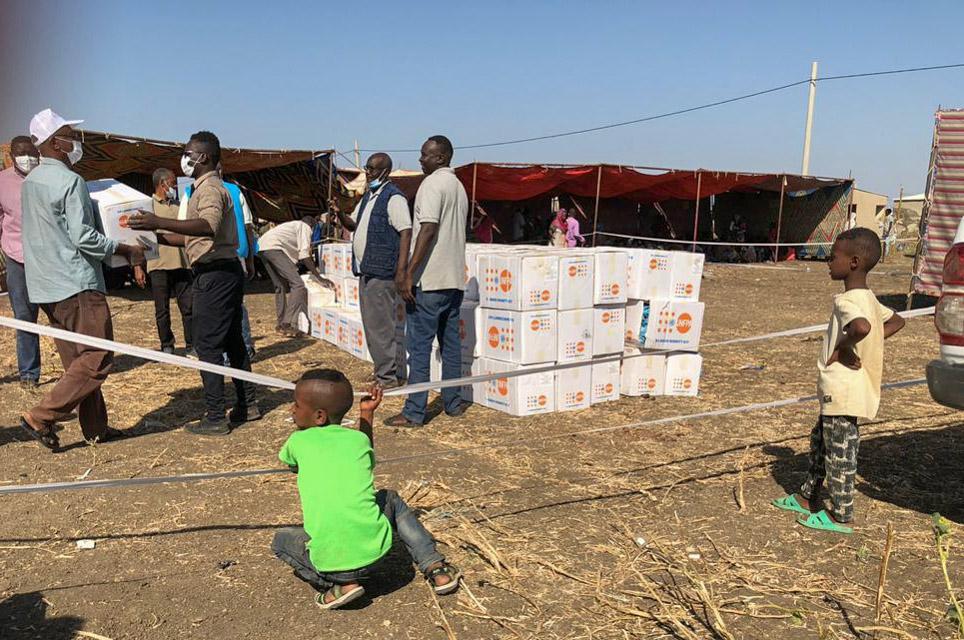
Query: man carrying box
[
  {"x": 63, "y": 252},
  {"x": 282, "y": 249},
  {"x": 210, "y": 237},
  {"x": 382, "y": 234}
]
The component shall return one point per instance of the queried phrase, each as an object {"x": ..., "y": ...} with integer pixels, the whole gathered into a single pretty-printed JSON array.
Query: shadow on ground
[
  {"x": 23, "y": 616},
  {"x": 917, "y": 470}
]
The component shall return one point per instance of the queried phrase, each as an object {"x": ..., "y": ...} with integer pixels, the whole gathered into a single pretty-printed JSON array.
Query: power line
[{"x": 677, "y": 112}]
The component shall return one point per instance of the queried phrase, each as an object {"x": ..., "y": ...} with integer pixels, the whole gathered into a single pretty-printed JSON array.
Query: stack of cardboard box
[
  {"x": 664, "y": 313},
  {"x": 529, "y": 306}
]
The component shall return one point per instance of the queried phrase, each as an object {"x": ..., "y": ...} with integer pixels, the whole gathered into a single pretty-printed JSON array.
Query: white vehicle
[{"x": 945, "y": 377}]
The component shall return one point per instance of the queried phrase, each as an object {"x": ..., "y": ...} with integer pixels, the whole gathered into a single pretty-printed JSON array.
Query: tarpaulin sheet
[
  {"x": 279, "y": 185},
  {"x": 944, "y": 203},
  {"x": 497, "y": 182}
]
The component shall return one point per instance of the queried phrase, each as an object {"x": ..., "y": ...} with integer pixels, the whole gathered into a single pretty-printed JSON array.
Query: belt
[{"x": 227, "y": 264}]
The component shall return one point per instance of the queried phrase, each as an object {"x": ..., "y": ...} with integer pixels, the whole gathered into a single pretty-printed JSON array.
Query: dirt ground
[{"x": 619, "y": 534}]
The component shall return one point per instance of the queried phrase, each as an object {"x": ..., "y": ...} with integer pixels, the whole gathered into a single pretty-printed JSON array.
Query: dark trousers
[
  {"x": 164, "y": 284},
  {"x": 218, "y": 292},
  {"x": 28, "y": 344},
  {"x": 434, "y": 314},
  {"x": 85, "y": 368},
  {"x": 290, "y": 545}
]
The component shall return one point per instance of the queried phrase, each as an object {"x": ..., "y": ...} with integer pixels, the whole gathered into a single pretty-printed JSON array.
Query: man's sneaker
[
  {"x": 168, "y": 350},
  {"x": 208, "y": 427},
  {"x": 238, "y": 416},
  {"x": 191, "y": 353}
]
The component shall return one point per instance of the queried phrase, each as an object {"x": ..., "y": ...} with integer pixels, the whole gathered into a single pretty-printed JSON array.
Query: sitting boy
[
  {"x": 850, "y": 366},
  {"x": 347, "y": 524}
]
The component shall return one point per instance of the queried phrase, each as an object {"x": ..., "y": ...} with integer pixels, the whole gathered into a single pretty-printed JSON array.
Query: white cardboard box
[
  {"x": 605, "y": 382},
  {"x": 520, "y": 281},
  {"x": 609, "y": 277},
  {"x": 649, "y": 274},
  {"x": 683, "y": 371},
  {"x": 521, "y": 395},
  {"x": 642, "y": 375},
  {"x": 357, "y": 343},
  {"x": 523, "y": 337},
  {"x": 318, "y": 294},
  {"x": 114, "y": 204},
  {"x": 576, "y": 281},
  {"x": 609, "y": 329},
  {"x": 634, "y": 319},
  {"x": 687, "y": 275},
  {"x": 316, "y": 322},
  {"x": 673, "y": 324},
  {"x": 341, "y": 258},
  {"x": 470, "y": 329},
  {"x": 574, "y": 388},
  {"x": 349, "y": 293},
  {"x": 343, "y": 332},
  {"x": 329, "y": 331},
  {"x": 654, "y": 274},
  {"x": 575, "y": 330}
]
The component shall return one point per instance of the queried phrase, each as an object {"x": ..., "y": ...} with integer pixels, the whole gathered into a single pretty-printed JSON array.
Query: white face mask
[
  {"x": 26, "y": 164},
  {"x": 75, "y": 154},
  {"x": 187, "y": 165},
  {"x": 171, "y": 193}
]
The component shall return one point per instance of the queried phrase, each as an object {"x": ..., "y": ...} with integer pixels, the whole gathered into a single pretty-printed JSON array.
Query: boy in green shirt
[{"x": 347, "y": 524}]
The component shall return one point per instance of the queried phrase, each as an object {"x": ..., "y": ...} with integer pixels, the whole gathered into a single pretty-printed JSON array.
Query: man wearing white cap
[{"x": 63, "y": 252}]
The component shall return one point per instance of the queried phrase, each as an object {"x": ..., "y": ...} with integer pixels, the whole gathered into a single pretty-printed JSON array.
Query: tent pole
[
  {"x": 595, "y": 215},
  {"x": 331, "y": 179},
  {"x": 696, "y": 212},
  {"x": 475, "y": 169},
  {"x": 776, "y": 247}
]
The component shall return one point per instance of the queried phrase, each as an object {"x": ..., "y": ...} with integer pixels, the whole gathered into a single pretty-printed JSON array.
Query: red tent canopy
[{"x": 522, "y": 182}]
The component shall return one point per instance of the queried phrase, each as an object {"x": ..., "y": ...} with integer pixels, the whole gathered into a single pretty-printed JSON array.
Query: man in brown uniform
[
  {"x": 170, "y": 273},
  {"x": 210, "y": 237}
]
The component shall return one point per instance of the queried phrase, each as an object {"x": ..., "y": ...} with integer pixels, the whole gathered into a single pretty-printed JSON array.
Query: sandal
[
  {"x": 822, "y": 522},
  {"x": 789, "y": 503},
  {"x": 448, "y": 570},
  {"x": 47, "y": 437},
  {"x": 341, "y": 597},
  {"x": 401, "y": 421}
]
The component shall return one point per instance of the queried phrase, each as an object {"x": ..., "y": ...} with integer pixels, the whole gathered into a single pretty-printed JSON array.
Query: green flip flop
[
  {"x": 822, "y": 522},
  {"x": 789, "y": 503}
]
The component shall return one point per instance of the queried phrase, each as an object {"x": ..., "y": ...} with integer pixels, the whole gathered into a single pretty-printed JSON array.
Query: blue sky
[{"x": 314, "y": 75}]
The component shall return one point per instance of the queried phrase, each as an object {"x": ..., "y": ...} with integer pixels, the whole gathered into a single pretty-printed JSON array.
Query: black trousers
[
  {"x": 218, "y": 293},
  {"x": 164, "y": 284}
]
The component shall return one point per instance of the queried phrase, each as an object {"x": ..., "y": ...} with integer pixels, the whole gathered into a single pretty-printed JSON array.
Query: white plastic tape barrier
[
  {"x": 197, "y": 477},
  {"x": 722, "y": 243},
  {"x": 268, "y": 381}
]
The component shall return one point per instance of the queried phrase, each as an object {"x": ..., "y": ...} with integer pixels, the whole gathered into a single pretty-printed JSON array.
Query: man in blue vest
[{"x": 382, "y": 232}]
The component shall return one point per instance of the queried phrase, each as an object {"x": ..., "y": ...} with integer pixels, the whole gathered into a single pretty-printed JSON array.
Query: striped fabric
[{"x": 944, "y": 205}]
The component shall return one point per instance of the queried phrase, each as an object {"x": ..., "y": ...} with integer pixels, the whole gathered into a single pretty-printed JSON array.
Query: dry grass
[{"x": 659, "y": 532}]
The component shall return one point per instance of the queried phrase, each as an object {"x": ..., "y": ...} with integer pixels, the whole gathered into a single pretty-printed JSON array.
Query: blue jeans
[
  {"x": 28, "y": 344},
  {"x": 290, "y": 545},
  {"x": 434, "y": 314}
]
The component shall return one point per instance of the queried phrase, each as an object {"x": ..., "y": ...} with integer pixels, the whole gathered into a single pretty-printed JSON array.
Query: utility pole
[
  {"x": 358, "y": 154},
  {"x": 806, "y": 136}
]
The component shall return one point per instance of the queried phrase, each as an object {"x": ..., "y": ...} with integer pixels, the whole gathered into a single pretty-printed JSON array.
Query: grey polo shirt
[{"x": 441, "y": 199}]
